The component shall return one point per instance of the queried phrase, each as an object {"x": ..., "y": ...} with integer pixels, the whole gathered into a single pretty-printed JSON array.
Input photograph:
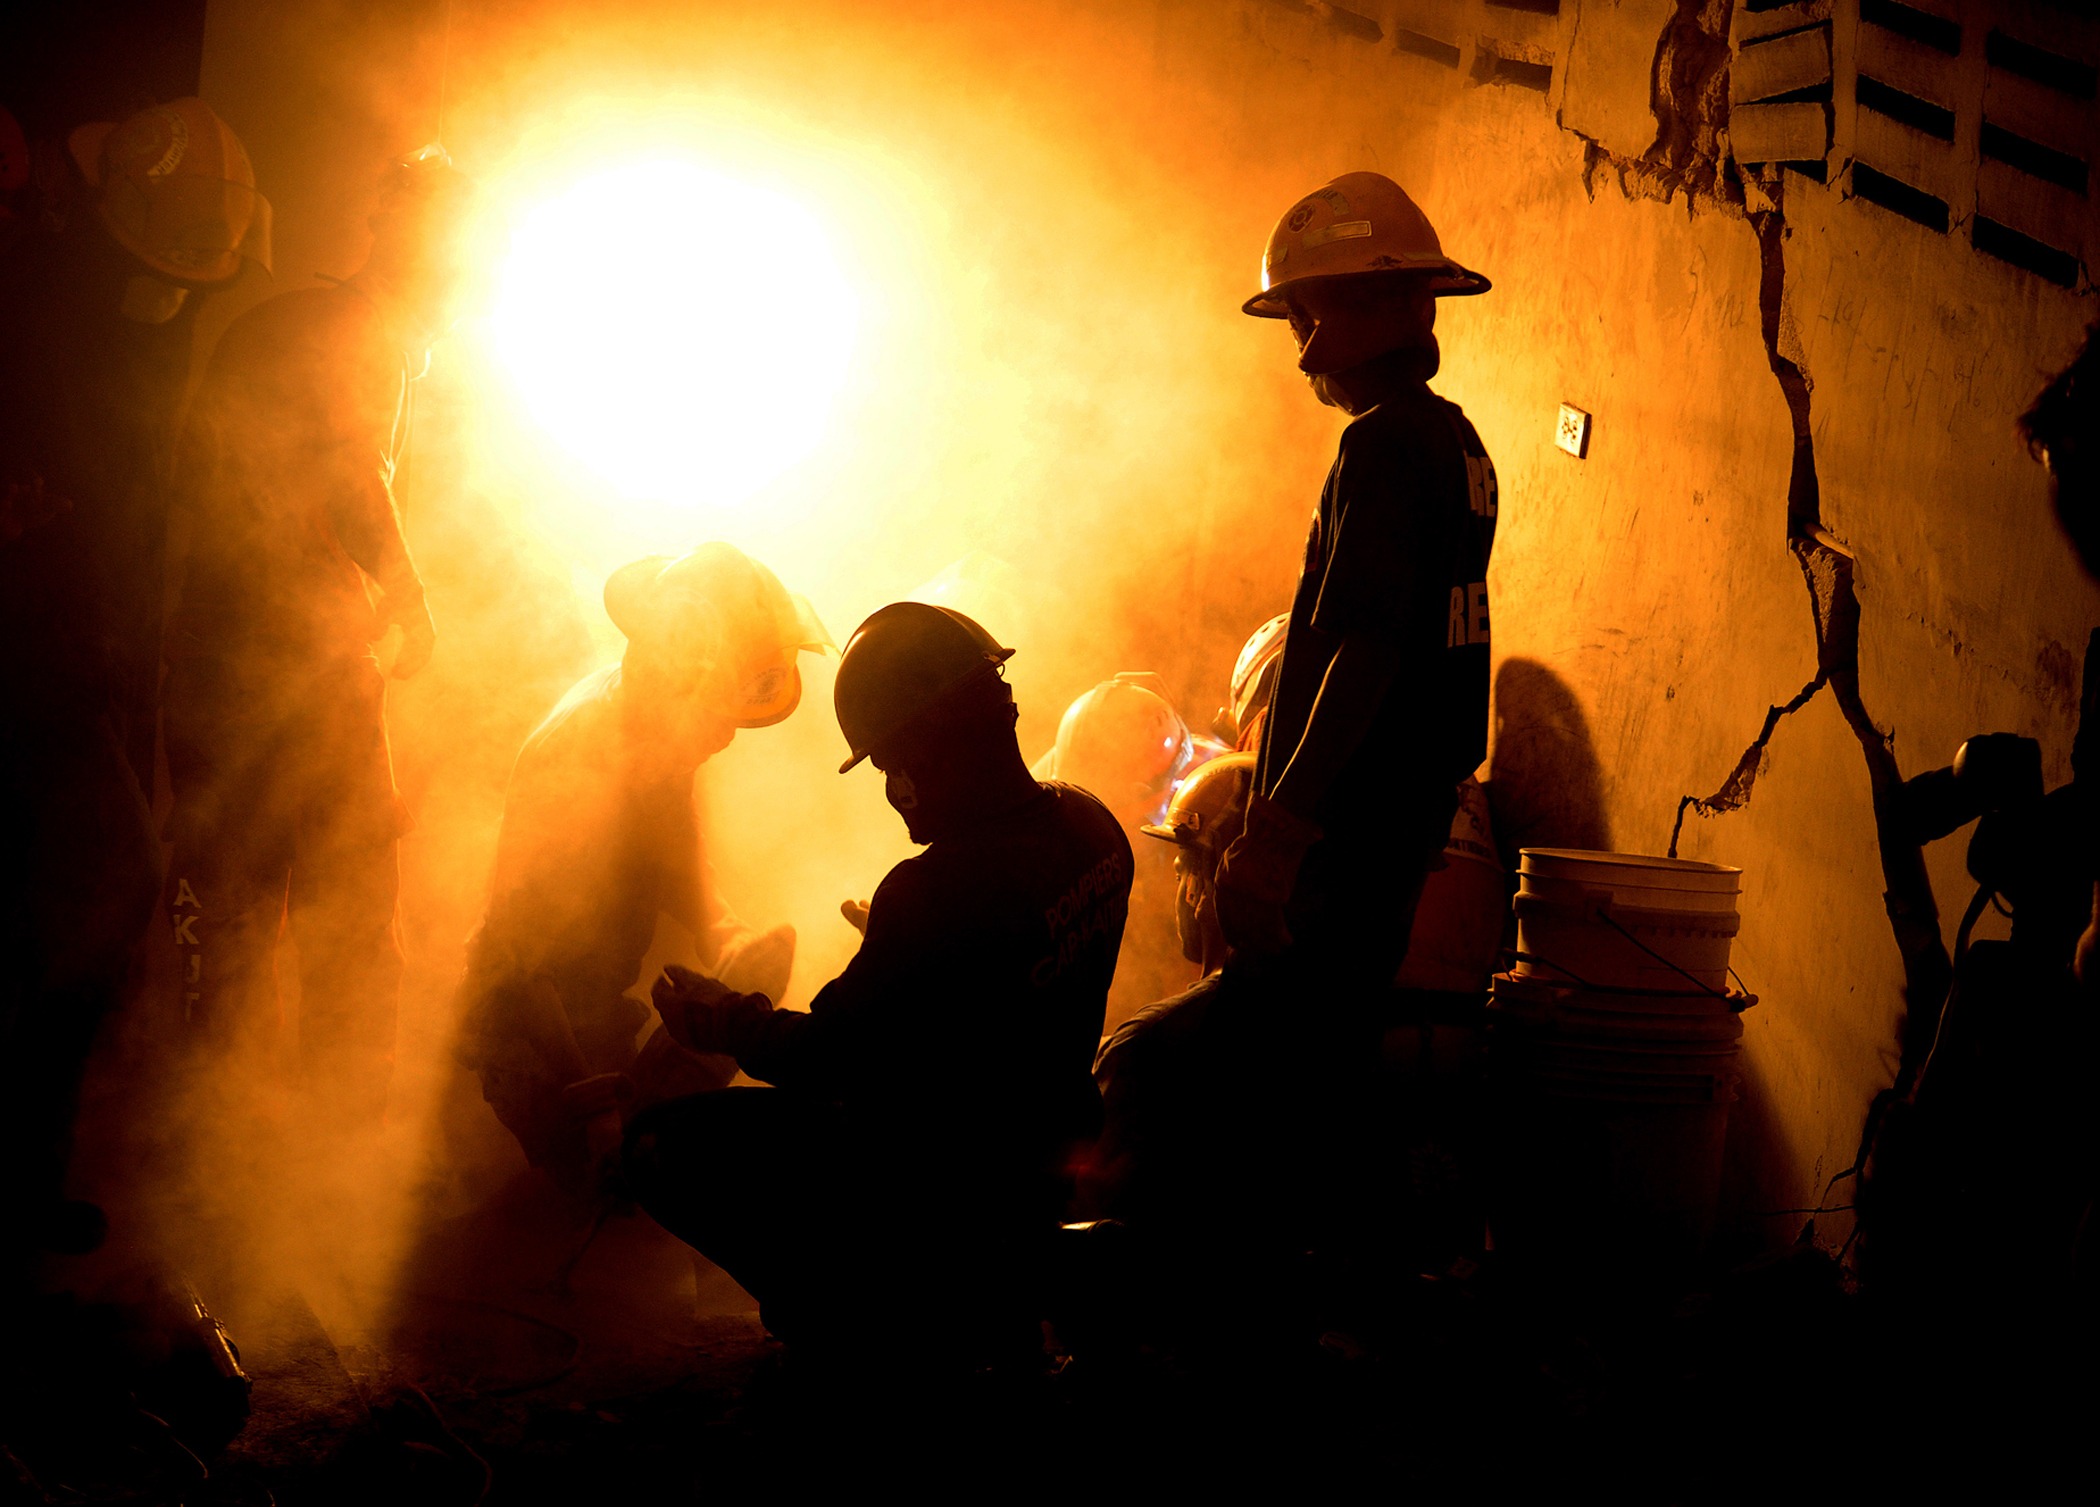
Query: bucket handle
[
  {"x": 1533, "y": 957},
  {"x": 1604, "y": 914},
  {"x": 1737, "y": 1003}
]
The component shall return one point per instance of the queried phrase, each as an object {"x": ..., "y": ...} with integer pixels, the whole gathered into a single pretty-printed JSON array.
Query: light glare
[{"x": 683, "y": 334}]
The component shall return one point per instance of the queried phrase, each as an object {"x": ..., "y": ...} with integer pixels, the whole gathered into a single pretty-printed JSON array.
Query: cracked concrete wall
[
  {"x": 1651, "y": 607},
  {"x": 1775, "y": 386}
]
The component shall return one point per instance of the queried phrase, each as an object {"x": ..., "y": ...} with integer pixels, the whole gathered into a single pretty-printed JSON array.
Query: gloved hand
[
  {"x": 418, "y": 638},
  {"x": 704, "y": 1014},
  {"x": 1257, "y": 874},
  {"x": 760, "y": 963}
]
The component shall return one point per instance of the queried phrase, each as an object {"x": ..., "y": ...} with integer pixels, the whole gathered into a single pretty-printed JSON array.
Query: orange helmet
[
  {"x": 722, "y": 622},
  {"x": 177, "y": 191},
  {"x": 1209, "y": 808},
  {"x": 1124, "y": 742},
  {"x": 1361, "y": 222}
]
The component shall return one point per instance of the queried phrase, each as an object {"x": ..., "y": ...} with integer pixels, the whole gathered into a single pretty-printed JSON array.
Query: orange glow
[{"x": 684, "y": 334}]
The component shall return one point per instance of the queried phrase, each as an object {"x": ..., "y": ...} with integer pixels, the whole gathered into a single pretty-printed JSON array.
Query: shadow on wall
[
  {"x": 1751, "y": 1219},
  {"x": 1544, "y": 785}
]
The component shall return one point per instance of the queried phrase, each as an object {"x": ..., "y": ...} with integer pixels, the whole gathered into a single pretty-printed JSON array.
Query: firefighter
[
  {"x": 107, "y": 252},
  {"x": 1381, "y": 696},
  {"x": 1383, "y": 683},
  {"x": 600, "y": 838},
  {"x": 297, "y": 567},
  {"x": 1174, "y": 1076},
  {"x": 1253, "y": 685},
  {"x": 941, "y": 1084},
  {"x": 1123, "y": 742}
]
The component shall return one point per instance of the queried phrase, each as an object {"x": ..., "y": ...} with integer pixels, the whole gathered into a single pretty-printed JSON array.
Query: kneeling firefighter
[
  {"x": 1177, "y": 1076},
  {"x": 600, "y": 838},
  {"x": 944, "y": 1076},
  {"x": 1124, "y": 742}
]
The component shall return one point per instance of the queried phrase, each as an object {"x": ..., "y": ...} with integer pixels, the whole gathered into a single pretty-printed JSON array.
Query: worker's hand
[
  {"x": 1256, "y": 876},
  {"x": 759, "y": 964},
  {"x": 418, "y": 638},
  {"x": 856, "y": 914},
  {"x": 701, "y": 1013}
]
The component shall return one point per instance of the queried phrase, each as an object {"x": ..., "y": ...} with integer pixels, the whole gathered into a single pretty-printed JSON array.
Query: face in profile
[
  {"x": 1342, "y": 322},
  {"x": 2059, "y": 428},
  {"x": 902, "y": 792},
  {"x": 2076, "y": 492}
]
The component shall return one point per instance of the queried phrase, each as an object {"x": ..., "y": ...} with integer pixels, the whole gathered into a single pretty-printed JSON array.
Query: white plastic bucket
[
  {"x": 1625, "y": 920},
  {"x": 1640, "y": 880},
  {"x": 1610, "y": 1114}
]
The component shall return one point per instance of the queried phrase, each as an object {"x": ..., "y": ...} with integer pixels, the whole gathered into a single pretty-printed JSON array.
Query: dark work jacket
[
  {"x": 961, "y": 1037},
  {"x": 289, "y": 464},
  {"x": 1398, "y": 550},
  {"x": 88, "y": 401}
]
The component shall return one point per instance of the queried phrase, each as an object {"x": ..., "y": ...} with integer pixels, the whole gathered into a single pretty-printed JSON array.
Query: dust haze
[{"x": 1055, "y": 418}]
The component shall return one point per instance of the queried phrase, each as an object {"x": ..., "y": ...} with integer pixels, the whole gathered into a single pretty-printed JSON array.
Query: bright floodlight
[{"x": 683, "y": 334}]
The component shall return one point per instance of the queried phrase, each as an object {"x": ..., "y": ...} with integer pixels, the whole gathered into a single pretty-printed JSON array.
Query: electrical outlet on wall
[{"x": 1572, "y": 434}]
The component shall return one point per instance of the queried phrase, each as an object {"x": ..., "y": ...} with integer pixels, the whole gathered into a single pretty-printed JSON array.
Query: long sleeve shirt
[
  {"x": 288, "y": 467},
  {"x": 966, "y": 1025}
]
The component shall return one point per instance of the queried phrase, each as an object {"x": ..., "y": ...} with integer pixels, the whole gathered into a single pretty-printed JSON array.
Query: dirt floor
[{"x": 647, "y": 1377}]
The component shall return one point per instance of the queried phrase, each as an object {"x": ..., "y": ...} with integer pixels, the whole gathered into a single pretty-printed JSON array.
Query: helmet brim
[
  {"x": 780, "y": 708},
  {"x": 991, "y": 666},
  {"x": 1447, "y": 280}
]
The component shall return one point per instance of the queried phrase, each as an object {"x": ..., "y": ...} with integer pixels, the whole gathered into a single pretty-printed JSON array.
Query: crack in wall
[
  {"x": 1735, "y": 790},
  {"x": 1689, "y": 98},
  {"x": 1688, "y": 95},
  {"x": 1688, "y": 91}
]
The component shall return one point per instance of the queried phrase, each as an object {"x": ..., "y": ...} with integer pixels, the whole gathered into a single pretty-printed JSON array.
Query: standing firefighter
[
  {"x": 125, "y": 231},
  {"x": 1381, "y": 699},
  {"x": 600, "y": 838},
  {"x": 939, "y": 1085},
  {"x": 276, "y": 724}
]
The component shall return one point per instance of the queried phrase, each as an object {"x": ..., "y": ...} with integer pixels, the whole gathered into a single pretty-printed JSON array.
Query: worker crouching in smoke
[
  {"x": 600, "y": 839},
  {"x": 913, "y": 1154}
]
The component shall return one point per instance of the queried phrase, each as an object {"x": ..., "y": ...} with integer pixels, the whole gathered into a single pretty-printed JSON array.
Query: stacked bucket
[{"x": 1613, "y": 1046}]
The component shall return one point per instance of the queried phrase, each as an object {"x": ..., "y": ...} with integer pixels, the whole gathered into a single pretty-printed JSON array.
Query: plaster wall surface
[
  {"x": 1654, "y": 577},
  {"x": 1103, "y": 174}
]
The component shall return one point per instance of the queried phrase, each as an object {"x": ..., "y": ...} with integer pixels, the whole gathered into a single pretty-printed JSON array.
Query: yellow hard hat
[
  {"x": 722, "y": 622},
  {"x": 1361, "y": 222},
  {"x": 177, "y": 191},
  {"x": 1211, "y": 804}
]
